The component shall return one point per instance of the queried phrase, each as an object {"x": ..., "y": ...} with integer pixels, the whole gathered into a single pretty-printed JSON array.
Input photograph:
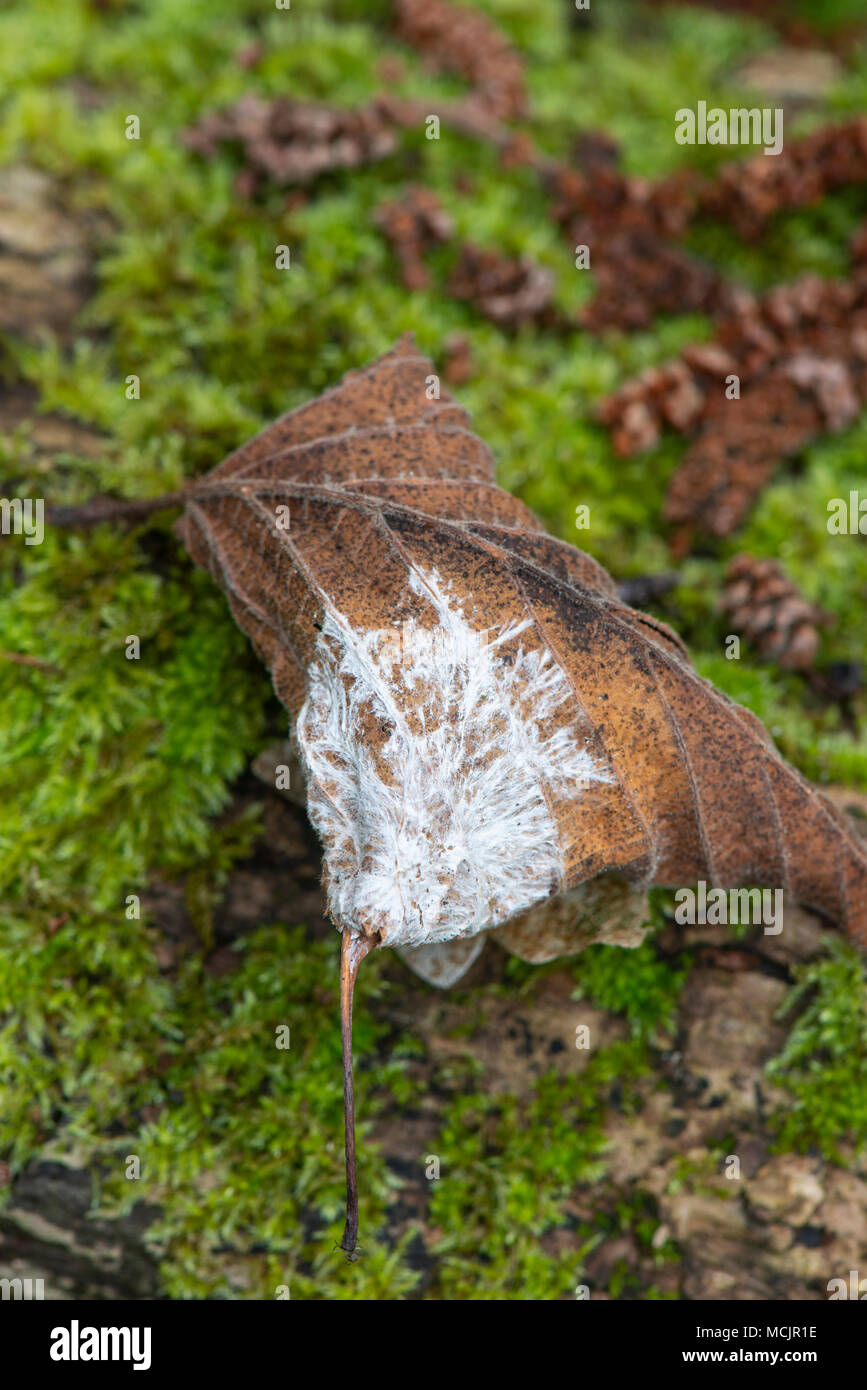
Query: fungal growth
[{"x": 431, "y": 751}]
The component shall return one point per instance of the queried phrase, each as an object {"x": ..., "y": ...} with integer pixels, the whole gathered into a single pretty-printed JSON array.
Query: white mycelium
[{"x": 427, "y": 750}]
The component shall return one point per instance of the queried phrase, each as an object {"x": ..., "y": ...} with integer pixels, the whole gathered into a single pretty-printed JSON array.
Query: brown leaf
[{"x": 484, "y": 724}]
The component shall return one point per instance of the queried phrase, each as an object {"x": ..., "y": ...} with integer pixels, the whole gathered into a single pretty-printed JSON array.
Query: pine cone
[
  {"x": 413, "y": 224},
  {"x": 748, "y": 193},
  {"x": 289, "y": 142},
  {"x": 508, "y": 292},
  {"x": 764, "y": 605},
  {"x": 458, "y": 39},
  {"x": 800, "y": 353}
]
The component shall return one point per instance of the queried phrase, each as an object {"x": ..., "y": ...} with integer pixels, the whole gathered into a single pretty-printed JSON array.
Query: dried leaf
[
  {"x": 493, "y": 742},
  {"x": 484, "y": 724}
]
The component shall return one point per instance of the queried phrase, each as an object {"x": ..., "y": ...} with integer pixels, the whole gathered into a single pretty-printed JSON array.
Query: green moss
[
  {"x": 823, "y": 1065},
  {"x": 137, "y": 754},
  {"x": 128, "y": 764},
  {"x": 239, "y": 1140},
  {"x": 510, "y": 1169},
  {"x": 638, "y": 983}
]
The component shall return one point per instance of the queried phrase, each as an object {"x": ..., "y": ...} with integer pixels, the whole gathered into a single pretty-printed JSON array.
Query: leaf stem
[
  {"x": 114, "y": 509},
  {"x": 353, "y": 949}
]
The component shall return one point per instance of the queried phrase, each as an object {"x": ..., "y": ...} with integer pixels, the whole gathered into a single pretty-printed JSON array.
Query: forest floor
[{"x": 160, "y": 909}]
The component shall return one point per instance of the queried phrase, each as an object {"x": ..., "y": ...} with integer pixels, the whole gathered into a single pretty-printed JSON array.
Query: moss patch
[{"x": 126, "y": 766}]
